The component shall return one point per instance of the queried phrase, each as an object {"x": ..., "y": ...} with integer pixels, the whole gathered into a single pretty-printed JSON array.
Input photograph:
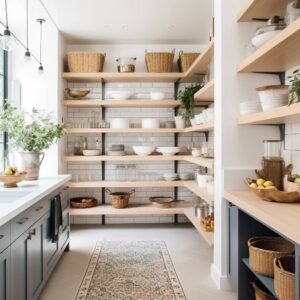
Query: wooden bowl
[
  {"x": 10, "y": 181},
  {"x": 274, "y": 195},
  {"x": 83, "y": 202},
  {"x": 77, "y": 93},
  {"x": 162, "y": 202}
]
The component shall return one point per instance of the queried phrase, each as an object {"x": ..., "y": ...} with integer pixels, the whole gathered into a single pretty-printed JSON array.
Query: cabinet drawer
[
  {"x": 40, "y": 208},
  {"x": 21, "y": 223},
  {"x": 4, "y": 236}
]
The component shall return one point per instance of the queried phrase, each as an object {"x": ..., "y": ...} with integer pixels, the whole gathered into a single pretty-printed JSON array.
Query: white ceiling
[{"x": 133, "y": 21}]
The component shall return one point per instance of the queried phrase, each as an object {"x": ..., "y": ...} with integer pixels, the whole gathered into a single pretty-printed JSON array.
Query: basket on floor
[
  {"x": 159, "y": 62},
  {"x": 119, "y": 199},
  {"x": 264, "y": 249},
  {"x": 85, "y": 62},
  {"x": 284, "y": 277},
  {"x": 260, "y": 291},
  {"x": 185, "y": 60}
]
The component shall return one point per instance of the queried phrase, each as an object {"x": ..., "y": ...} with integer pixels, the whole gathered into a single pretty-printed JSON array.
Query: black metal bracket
[{"x": 103, "y": 115}]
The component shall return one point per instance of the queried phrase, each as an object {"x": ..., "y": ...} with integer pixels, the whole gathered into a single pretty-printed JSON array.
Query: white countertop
[{"x": 13, "y": 201}]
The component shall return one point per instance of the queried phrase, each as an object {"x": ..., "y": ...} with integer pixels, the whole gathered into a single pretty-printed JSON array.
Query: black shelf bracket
[{"x": 103, "y": 116}]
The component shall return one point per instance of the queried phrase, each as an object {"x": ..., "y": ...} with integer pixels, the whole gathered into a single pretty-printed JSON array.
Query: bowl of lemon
[{"x": 11, "y": 176}]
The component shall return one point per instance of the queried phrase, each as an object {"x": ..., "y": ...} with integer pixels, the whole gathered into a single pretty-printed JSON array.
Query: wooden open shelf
[
  {"x": 126, "y": 184},
  {"x": 200, "y": 192},
  {"x": 200, "y": 65},
  {"x": 278, "y": 115},
  {"x": 201, "y": 128},
  {"x": 279, "y": 54},
  {"x": 262, "y": 9},
  {"x": 208, "y": 236},
  {"x": 204, "y": 162},
  {"x": 124, "y": 130},
  {"x": 123, "y": 77},
  {"x": 133, "y": 209},
  {"x": 207, "y": 93},
  {"x": 121, "y": 103}
]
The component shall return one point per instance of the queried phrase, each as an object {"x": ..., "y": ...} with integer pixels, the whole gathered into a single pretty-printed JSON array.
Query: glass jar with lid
[{"x": 272, "y": 149}]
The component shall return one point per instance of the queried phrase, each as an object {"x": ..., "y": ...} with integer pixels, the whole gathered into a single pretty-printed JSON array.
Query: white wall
[{"x": 40, "y": 90}]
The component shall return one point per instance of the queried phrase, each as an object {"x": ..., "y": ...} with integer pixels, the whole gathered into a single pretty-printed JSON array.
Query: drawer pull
[
  {"x": 1, "y": 236},
  {"x": 22, "y": 221},
  {"x": 39, "y": 208}
]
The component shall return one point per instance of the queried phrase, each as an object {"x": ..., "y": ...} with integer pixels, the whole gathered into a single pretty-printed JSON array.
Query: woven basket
[
  {"x": 263, "y": 251},
  {"x": 159, "y": 62},
  {"x": 119, "y": 199},
  {"x": 260, "y": 292},
  {"x": 284, "y": 277},
  {"x": 185, "y": 60},
  {"x": 77, "y": 202},
  {"x": 85, "y": 62}
]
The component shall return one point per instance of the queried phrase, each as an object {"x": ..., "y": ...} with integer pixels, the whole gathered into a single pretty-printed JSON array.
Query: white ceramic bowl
[
  {"x": 143, "y": 150},
  {"x": 184, "y": 176},
  {"x": 121, "y": 95},
  {"x": 258, "y": 40},
  {"x": 157, "y": 96},
  {"x": 89, "y": 152},
  {"x": 150, "y": 123},
  {"x": 119, "y": 123},
  {"x": 273, "y": 96},
  {"x": 168, "y": 151}
]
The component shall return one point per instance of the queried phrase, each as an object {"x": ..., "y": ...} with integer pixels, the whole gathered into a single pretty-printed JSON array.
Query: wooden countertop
[{"x": 282, "y": 217}]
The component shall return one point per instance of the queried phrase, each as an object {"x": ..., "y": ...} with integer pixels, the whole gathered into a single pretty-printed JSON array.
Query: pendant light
[
  {"x": 27, "y": 52},
  {"x": 41, "y": 21},
  {"x": 7, "y": 41}
]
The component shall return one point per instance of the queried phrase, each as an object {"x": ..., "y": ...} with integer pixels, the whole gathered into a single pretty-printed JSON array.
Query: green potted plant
[
  {"x": 187, "y": 104},
  {"x": 30, "y": 133},
  {"x": 294, "y": 79}
]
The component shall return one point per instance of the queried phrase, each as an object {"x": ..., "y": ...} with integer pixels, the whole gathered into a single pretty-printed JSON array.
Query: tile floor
[{"x": 190, "y": 254}]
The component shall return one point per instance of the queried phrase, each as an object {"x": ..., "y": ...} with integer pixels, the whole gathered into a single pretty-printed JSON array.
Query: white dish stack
[{"x": 249, "y": 107}]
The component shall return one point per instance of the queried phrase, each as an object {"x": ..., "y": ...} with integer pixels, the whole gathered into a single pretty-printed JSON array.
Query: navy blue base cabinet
[
  {"x": 27, "y": 253},
  {"x": 241, "y": 227}
]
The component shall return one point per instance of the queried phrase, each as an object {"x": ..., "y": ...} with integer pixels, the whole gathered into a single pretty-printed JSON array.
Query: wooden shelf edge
[
  {"x": 202, "y": 193},
  {"x": 204, "y": 162},
  {"x": 208, "y": 236},
  {"x": 124, "y": 130},
  {"x": 274, "y": 116},
  {"x": 201, "y": 128},
  {"x": 207, "y": 93}
]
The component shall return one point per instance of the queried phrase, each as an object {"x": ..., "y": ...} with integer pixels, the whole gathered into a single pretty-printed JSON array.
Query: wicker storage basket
[
  {"x": 260, "y": 292},
  {"x": 159, "y": 62},
  {"x": 284, "y": 277},
  {"x": 87, "y": 202},
  {"x": 85, "y": 62},
  {"x": 119, "y": 199},
  {"x": 263, "y": 251},
  {"x": 185, "y": 60}
]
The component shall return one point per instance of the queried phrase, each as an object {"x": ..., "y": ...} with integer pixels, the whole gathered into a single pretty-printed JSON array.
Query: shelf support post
[{"x": 103, "y": 115}]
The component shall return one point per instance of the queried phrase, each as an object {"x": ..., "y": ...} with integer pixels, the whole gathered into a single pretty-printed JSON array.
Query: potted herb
[
  {"x": 187, "y": 104},
  {"x": 30, "y": 133},
  {"x": 294, "y": 79}
]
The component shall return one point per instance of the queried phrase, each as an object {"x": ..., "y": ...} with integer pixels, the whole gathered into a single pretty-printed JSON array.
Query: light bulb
[
  {"x": 27, "y": 56},
  {"x": 8, "y": 42}
]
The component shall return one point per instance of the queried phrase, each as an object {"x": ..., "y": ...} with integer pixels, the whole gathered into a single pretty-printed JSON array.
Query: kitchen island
[{"x": 34, "y": 233}]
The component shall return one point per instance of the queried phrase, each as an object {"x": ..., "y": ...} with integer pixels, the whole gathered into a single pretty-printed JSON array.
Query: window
[{"x": 3, "y": 95}]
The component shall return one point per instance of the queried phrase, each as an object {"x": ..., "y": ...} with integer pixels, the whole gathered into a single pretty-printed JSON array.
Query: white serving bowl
[
  {"x": 118, "y": 123},
  {"x": 143, "y": 150},
  {"x": 89, "y": 152},
  {"x": 157, "y": 96},
  {"x": 150, "y": 123},
  {"x": 184, "y": 176},
  {"x": 121, "y": 95},
  {"x": 168, "y": 151},
  {"x": 249, "y": 107},
  {"x": 273, "y": 96}
]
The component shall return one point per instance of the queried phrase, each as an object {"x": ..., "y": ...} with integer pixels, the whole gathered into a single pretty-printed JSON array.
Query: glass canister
[{"x": 272, "y": 149}]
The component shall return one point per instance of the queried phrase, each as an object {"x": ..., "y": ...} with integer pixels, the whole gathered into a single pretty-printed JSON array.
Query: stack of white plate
[
  {"x": 170, "y": 176},
  {"x": 121, "y": 95},
  {"x": 249, "y": 107},
  {"x": 168, "y": 151}
]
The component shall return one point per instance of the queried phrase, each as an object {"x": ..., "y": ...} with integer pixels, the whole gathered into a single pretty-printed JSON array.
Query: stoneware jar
[{"x": 31, "y": 162}]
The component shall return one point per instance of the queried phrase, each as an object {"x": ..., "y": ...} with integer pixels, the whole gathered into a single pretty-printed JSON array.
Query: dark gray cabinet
[
  {"x": 5, "y": 275},
  {"x": 30, "y": 256}
]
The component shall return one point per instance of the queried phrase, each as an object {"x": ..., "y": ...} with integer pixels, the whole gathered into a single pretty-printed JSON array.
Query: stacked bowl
[
  {"x": 170, "y": 176},
  {"x": 168, "y": 151},
  {"x": 116, "y": 150}
]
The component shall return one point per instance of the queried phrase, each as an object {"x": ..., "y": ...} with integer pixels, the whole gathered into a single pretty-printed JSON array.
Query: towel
[{"x": 55, "y": 218}]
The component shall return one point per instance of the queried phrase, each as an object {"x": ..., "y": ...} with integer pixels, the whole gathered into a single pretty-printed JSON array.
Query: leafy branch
[{"x": 295, "y": 87}]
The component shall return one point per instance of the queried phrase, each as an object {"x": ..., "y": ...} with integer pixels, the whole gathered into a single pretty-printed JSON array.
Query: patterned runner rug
[{"x": 130, "y": 270}]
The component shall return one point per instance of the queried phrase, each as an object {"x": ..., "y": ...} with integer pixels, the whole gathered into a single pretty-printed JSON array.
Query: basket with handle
[
  {"x": 185, "y": 60},
  {"x": 159, "y": 62},
  {"x": 260, "y": 292},
  {"x": 119, "y": 199},
  {"x": 284, "y": 277},
  {"x": 85, "y": 61},
  {"x": 264, "y": 249}
]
